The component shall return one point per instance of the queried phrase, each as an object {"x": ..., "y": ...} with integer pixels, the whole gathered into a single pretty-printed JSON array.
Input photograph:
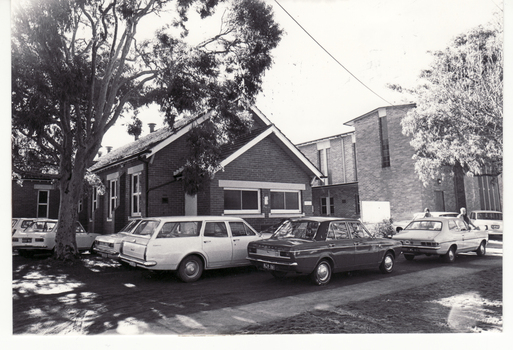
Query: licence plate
[
  {"x": 269, "y": 266},
  {"x": 26, "y": 240},
  {"x": 495, "y": 227}
]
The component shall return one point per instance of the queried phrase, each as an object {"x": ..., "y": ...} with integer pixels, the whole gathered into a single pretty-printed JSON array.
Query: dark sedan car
[{"x": 320, "y": 246}]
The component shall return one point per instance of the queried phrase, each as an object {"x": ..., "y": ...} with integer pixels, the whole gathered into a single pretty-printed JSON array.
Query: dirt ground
[
  {"x": 469, "y": 304},
  {"x": 436, "y": 308}
]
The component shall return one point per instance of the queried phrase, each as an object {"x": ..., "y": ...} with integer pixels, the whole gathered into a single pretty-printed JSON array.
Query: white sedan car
[
  {"x": 188, "y": 244},
  {"x": 40, "y": 237},
  {"x": 400, "y": 225},
  {"x": 490, "y": 220},
  {"x": 108, "y": 245},
  {"x": 442, "y": 236}
]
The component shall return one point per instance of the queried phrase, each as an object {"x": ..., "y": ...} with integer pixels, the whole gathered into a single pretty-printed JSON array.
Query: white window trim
[
  {"x": 288, "y": 211},
  {"x": 47, "y": 202},
  {"x": 138, "y": 194},
  {"x": 112, "y": 184},
  {"x": 244, "y": 211},
  {"x": 94, "y": 201}
]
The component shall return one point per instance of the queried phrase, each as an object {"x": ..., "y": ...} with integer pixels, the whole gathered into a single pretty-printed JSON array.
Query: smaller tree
[{"x": 458, "y": 119}]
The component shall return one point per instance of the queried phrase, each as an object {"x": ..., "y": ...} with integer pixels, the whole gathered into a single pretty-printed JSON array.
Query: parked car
[
  {"x": 20, "y": 224},
  {"x": 443, "y": 236},
  {"x": 488, "y": 220},
  {"x": 400, "y": 225},
  {"x": 108, "y": 245},
  {"x": 320, "y": 246},
  {"x": 40, "y": 237},
  {"x": 188, "y": 244}
]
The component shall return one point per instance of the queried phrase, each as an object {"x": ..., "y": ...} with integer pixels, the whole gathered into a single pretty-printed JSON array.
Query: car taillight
[
  {"x": 39, "y": 239},
  {"x": 15, "y": 239}
]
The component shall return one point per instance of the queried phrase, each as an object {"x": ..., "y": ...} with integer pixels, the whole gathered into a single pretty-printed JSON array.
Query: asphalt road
[{"x": 102, "y": 297}]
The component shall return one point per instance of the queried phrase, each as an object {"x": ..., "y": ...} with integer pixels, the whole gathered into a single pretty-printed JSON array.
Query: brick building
[
  {"x": 337, "y": 193},
  {"x": 263, "y": 178},
  {"x": 387, "y": 175},
  {"x": 370, "y": 173},
  {"x": 34, "y": 196}
]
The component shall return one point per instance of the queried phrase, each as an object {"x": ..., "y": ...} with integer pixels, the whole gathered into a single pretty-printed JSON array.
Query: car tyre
[
  {"x": 190, "y": 269},
  {"x": 321, "y": 275},
  {"x": 387, "y": 265},
  {"x": 279, "y": 274},
  {"x": 450, "y": 256},
  {"x": 481, "y": 250},
  {"x": 409, "y": 257}
]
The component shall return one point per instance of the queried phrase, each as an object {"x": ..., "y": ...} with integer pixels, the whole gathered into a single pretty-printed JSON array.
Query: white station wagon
[{"x": 188, "y": 244}]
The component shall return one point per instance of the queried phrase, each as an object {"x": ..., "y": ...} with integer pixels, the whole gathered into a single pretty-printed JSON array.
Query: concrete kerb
[{"x": 228, "y": 320}]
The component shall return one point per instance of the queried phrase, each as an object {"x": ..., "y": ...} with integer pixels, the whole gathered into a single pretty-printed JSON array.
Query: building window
[
  {"x": 285, "y": 202},
  {"x": 241, "y": 201},
  {"x": 385, "y": 148},
  {"x": 323, "y": 161},
  {"x": 113, "y": 196},
  {"x": 94, "y": 201},
  {"x": 43, "y": 203},
  {"x": 136, "y": 194},
  {"x": 357, "y": 203},
  {"x": 327, "y": 206},
  {"x": 80, "y": 206}
]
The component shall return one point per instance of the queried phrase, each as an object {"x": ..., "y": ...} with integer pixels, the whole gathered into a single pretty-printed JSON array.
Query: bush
[{"x": 384, "y": 229}]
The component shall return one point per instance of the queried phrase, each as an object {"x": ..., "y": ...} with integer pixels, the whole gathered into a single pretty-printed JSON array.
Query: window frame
[
  {"x": 244, "y": 211},
  {"x": 113, "y": 199},
  {"x": 40, "y": 204},
  {"x": 286, "y": 211},
  {"x": 135, "y": 195}
]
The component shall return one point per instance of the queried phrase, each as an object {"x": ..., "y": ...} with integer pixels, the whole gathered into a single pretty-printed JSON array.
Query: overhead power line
[{"x": 340, "y": 64}]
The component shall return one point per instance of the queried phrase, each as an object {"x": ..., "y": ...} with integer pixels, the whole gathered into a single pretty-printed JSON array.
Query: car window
[
  {"x": 240, "y": 229},
  {"x": 425, "y": 225},
  {"x": 147, "y": 227},
  {"x": 26, "y": 223},
  {"x": 357, "y": 230},
  {"x": 297, "y": 229},
  {"x": 215, "y": 229},
  {"x": 462, "y": 225},
  {"x": 130, "y": 226},
  {"x": 338, "y": 230},
  {"x": 452, "y": 225},
  {"x": 13, "y": 222},
  {"x": 180, "y": 229},
  {"x": 79, "y": 228}
]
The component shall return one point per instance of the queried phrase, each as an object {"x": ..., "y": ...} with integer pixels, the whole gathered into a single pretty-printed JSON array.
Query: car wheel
[
  {"x": 278, "y": 274},
  {"x": 190, "y": 269},
  {"x": 91, "y": 250},
  {"x": 409, "y": 257},
  {"x": 450, "y": 256},
  {"x": 481, "y": 250},
  {"x": 387, "y": 265},
  {"x": 321, "y": 275}
]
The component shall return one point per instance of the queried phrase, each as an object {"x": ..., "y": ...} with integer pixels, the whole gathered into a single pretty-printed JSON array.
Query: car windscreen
[
  {"x": 489, "y": 216},
  {"x": 297, "y": 229},
  {"x": 425, "y": 225},
  {"x": 146, "y": 227},
  {"x": 130, "y": 226},
  {"x": 42, "y": 226}
]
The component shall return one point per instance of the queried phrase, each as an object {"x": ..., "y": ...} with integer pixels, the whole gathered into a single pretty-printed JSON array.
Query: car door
[
  {"x": 217, "y": 244},
  {"x": 468, "y": 240},
  {"x": 366, "y": 251},
  {"x": 341, "y": 246},
  {"x": 83, "y": 240},
  {"x": 242, "y": 234}
]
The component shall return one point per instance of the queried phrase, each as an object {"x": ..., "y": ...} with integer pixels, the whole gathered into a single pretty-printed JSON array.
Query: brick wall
[
  {"x": 24, "y": 199},
  {"x": 266, "y": 162},
  {"x": 398, "y": 184},
  {"x": 344, "y": 197}
]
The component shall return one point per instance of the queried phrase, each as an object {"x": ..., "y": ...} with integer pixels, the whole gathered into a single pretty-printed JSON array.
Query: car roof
[
  {"x": 321, "y": 218},
  {"x": 486, "y": 211},
  {"x": 436, "y": 218},
  {"x": 195, "y": 218}
]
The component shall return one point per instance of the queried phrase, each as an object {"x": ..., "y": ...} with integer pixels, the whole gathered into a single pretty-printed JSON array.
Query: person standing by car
[
  {"x": 427, "y": 214},
  {"x": 463, "y": 215}
]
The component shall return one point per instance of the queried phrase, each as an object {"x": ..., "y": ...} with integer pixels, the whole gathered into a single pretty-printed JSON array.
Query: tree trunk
[{"x": 70, "y": 193}]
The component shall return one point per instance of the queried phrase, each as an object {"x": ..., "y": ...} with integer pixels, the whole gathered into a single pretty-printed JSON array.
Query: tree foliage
[
  {"x": 458, "y": 119},
  {"x": 78, "y": 66}
]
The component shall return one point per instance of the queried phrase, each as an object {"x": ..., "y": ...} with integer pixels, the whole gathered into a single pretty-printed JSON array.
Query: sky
[{"x": 309, "y": 96}]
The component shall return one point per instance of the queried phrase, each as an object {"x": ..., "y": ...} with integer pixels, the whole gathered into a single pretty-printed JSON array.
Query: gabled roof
[{"x": 150, "y": 144}]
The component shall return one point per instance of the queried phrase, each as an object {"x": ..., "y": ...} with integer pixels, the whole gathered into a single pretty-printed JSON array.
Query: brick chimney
[{"x": 152, "y": 127}]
